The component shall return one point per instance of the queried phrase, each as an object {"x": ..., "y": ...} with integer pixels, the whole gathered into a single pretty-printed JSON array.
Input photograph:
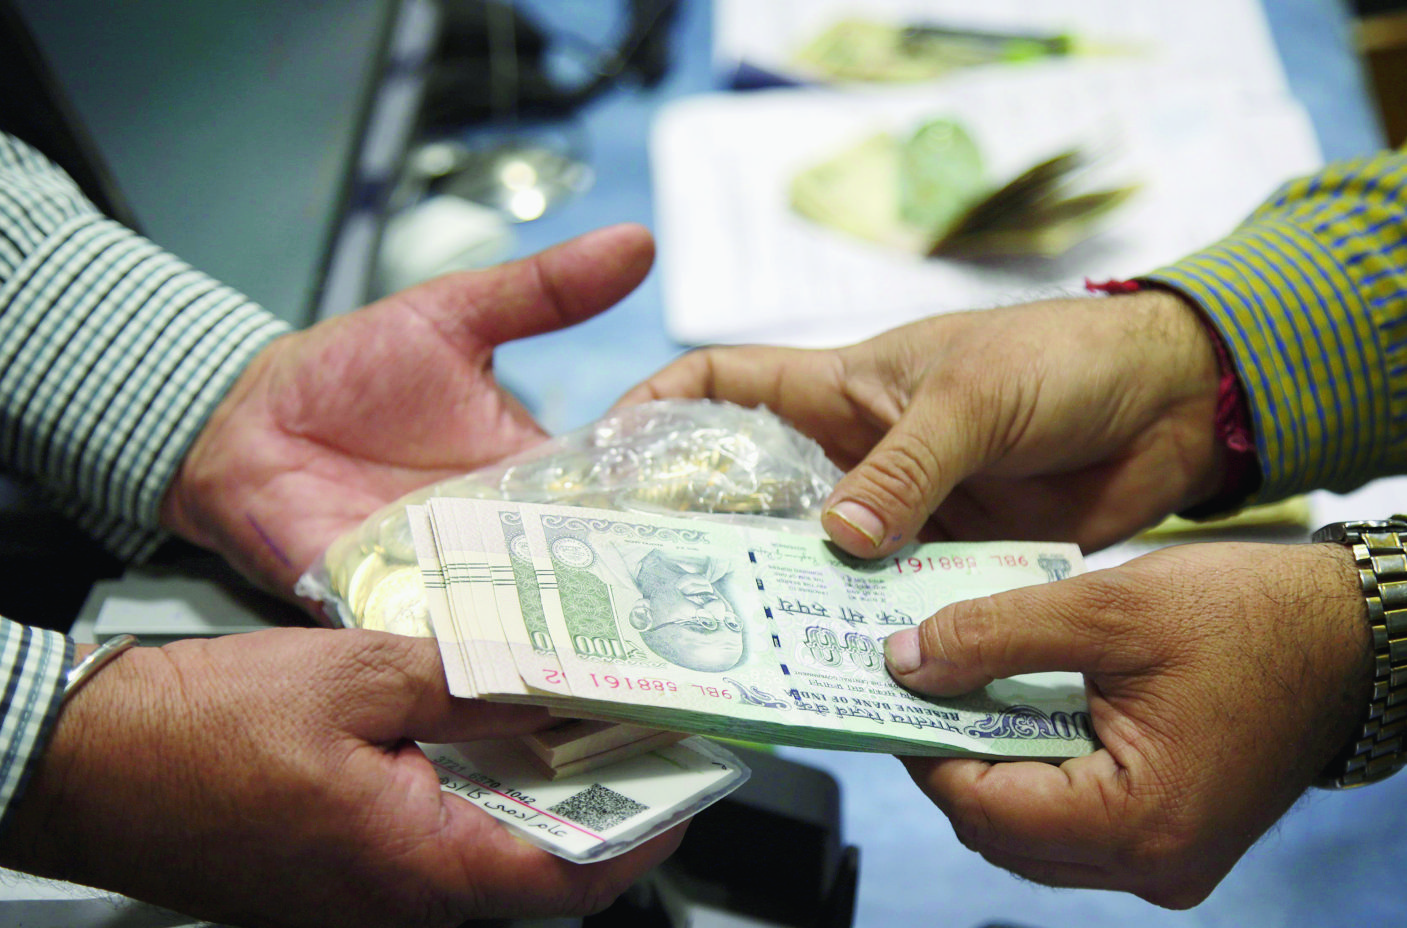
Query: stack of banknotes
[
  {"x": 750, "y": 628},
  {"x": 928, "y": 193}
]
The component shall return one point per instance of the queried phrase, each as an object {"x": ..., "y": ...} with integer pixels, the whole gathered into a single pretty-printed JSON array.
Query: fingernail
[
  {"x": 860, "y": 518},
  {"x": 901, "y": 651}
]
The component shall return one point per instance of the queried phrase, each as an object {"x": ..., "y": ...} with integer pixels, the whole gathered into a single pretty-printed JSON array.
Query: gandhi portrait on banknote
[
  {"x": 684, "y": 614},
  {"x": 636, "y": 592}
]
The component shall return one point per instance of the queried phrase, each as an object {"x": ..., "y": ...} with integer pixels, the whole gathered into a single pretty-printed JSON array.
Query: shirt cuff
[
  {"x": 112, "y": 357},
  {"x": 34, "y": 662},
  {"x": 1310, "y": 351}
]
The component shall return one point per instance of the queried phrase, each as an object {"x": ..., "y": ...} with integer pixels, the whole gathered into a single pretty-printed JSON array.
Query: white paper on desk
[
  {"x": 1225, "y": 41},
  {"x": 738, "y": 265}
]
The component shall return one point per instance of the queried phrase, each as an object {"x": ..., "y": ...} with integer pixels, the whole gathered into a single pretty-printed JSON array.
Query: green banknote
[
  {"x": 747, "y": 631},
  {"x": 926, "y": 193},
  {"x": 856, "y": 49},
  {"x": 469, "y": 589}
]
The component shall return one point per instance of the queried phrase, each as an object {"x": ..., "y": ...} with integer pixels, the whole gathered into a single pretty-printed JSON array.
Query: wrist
[
  {"x": 211, "y": 465},
  {"x": 181, "y": 512},
  {"x": 1353, "y": 650},
  {"x": 1230, "y": 472},
  {"x": 1193, "y": 376},
  {"x": 1239, "y": 466},
  {"x": 104, "y": 754}
]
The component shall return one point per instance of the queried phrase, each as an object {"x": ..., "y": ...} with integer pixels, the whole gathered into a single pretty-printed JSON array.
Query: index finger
[
  {"x": 394, "y": 688},
  {"x": 749, "y": 375}
]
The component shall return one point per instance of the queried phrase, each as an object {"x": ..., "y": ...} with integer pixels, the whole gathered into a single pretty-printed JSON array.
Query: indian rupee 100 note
[{"x": 745, "y": 631}]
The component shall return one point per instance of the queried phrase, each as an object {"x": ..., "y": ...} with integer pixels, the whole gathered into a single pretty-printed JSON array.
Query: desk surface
[
  {"x": 1312, "y": 869},
  {"x": 629, "y": 342}
]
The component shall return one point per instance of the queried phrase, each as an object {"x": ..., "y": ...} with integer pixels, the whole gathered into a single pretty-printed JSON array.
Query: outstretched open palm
[{"x": 328, "y": 424}]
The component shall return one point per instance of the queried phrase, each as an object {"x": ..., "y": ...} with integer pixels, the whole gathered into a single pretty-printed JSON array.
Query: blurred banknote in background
[{"x": 929, "y": 194}]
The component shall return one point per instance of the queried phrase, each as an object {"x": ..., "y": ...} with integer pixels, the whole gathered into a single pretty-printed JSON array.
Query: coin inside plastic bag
[
  {"x": 679, "y": 456},
  {"x": 397, "y": 605}
]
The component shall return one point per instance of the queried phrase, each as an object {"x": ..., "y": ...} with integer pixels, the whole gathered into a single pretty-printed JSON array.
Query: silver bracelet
[{"x": 96, "y": 660}]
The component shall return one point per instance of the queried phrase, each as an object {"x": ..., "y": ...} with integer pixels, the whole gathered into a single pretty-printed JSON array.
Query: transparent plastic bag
[{"x": 674, "y": 456}]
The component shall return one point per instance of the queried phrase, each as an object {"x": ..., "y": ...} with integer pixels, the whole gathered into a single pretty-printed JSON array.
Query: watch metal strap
[{"x": 1379, "y": 746}]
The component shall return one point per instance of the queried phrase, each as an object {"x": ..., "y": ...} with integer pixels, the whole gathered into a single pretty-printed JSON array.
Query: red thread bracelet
[{"x": 1232, "y": 424}]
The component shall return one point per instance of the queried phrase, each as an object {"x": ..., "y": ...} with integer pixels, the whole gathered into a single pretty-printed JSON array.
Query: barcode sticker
[{"x": 598, "y": 807}]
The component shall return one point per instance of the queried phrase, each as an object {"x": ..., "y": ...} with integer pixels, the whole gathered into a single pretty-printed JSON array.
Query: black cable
[{"x": 464, "y": 82}]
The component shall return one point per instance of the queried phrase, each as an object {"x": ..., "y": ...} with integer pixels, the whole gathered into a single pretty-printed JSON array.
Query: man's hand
[
  {"x": 267, "y": 779},
  {"x": 330, "y": 424},
  {"x": 1222, "y": 679},
  {"x": 1077, "y": 420}
]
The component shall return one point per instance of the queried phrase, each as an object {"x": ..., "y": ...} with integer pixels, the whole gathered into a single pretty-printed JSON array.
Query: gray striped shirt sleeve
[
  {"x": 33, "y": 662},
  {"x": 113, "y": 353}
]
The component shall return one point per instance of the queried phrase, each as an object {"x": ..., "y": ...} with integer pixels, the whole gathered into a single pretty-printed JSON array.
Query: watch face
[
  {"x": 1343, "y": 531},
  {"x": 1334, "y": 531}
]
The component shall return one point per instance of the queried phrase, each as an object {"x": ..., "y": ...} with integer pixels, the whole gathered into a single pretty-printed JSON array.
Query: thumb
[
  {"x": 1050, "y": 626},
  {"x": 881, "y": 504},
  {"x": 409, "y": 698},
  {"x": 553, "y": 289}
]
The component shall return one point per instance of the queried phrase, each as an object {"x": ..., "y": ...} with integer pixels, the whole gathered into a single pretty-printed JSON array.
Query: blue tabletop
[
  {"x": 569, "y": 378},
  {"x": 1330, "y": 861}
]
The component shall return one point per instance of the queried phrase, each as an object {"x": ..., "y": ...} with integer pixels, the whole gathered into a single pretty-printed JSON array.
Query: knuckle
[
  {"x": 966, "y": 633},
  {"x": 698, "y": 369},
  {"x": 1167, "y": 864},
  {"x": 562, "y": 301},
  {"x": 1180, "y": 895},
  {"x": 1105, "y": 611},
  {"x": 1105, "y": 593},
  {"x": 595, "y": 898},
  {"x": 588, "y": 897},
  {"x": 370, "y": 662},
  {"x": 1162, "y": 847},
  {"x": 905, "y": 471},
  {"x": 984, "y": 385}
]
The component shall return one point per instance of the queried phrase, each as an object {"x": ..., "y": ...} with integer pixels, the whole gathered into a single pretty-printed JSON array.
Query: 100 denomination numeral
[{"x": 830, "y": 651}]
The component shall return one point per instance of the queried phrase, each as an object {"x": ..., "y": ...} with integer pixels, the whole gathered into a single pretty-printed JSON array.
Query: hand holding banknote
[
  {"x": 1217, "y": 690},
  {"x": 1222, "y": 678},
  {"x": 1074, "y": 420},
  {"x": 757, "y": 630},
  {"x": 270, "y": 779}
]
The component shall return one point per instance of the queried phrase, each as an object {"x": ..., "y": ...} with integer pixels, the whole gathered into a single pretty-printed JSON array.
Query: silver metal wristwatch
[{"x": 1379, "y": 746}]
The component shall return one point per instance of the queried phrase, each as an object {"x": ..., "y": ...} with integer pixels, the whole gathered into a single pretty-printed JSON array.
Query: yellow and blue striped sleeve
[
  {"x": 1310, "y": 298},
  {"x": 113, "y": 353}
]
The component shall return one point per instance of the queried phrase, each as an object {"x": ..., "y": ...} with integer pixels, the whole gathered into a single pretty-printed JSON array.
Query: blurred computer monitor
[{"x": 235, "y": 129}]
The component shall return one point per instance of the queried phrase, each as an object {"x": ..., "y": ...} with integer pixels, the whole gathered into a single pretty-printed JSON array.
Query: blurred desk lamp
[
  {"x": 502, "y": 121},
  {"x": 501, "y": 146}
]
